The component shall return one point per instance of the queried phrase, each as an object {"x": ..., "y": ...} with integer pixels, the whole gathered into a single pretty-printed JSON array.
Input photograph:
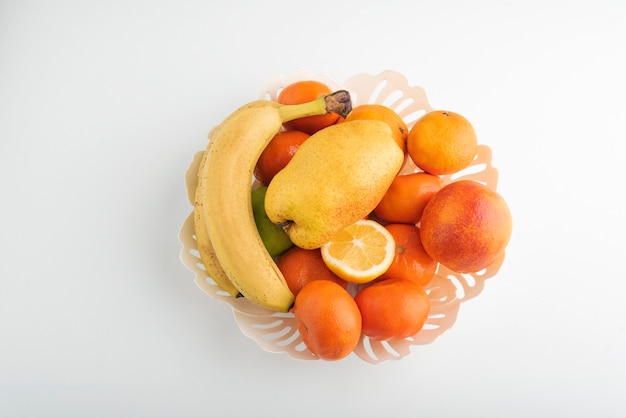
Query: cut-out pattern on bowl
[{"x": 277, "y": 332}]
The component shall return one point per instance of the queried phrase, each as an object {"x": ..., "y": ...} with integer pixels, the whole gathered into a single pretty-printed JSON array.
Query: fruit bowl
[{"x": 277, "y": 332}]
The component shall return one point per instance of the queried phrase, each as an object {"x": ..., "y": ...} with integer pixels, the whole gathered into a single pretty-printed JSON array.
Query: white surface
[{"x": 102, "y": 105}]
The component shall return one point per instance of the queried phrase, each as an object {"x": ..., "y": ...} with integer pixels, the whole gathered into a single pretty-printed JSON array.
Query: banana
[
  {"x": 203, "y": 241},
  {"x": 226, "y": 175}
]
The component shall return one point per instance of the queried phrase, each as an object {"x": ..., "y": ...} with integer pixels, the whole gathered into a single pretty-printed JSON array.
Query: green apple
[{"x": 275, "y": 239}]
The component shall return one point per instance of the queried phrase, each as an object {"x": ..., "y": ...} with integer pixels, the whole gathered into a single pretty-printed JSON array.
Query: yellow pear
[{"x": 337, "y": 176}]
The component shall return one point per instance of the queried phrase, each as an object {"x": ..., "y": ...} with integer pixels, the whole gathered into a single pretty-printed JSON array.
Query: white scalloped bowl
[{"x": 277, "y": 332}]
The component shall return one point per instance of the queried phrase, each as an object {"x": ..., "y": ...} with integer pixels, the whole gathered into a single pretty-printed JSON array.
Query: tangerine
[
  {"x": 277, "y": 154},
  {"x": 302, "y": 92},
  {"x": 466, "y": 226},
  {"x": 370, "y": 111},
  {"x": 406, "y": 197},
  {"x": 442, "y": 142},
  {"x": 411, "y": 261},
  {"x": 328, "y": 319},
  {"x": 392, "y": 309},
  {"x": 300, "y": 266}
]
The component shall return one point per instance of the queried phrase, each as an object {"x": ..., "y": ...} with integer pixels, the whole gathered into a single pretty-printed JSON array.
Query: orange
[
  {"x": 442, "y": 142},
  {"x": 386, "y": 114},
  {"x": 406, "y": 197},
  {"x": 277, "y": 154},
  {"x": 328, "y": 319},
  {"x": 411, "y": 261},
  {"x": 466, "y": 226},
  {"x": 392, "y": 309},
  {"x": 303, "y": 92},
  {"x": 300, "y": 266},
  {"x": 361, "y": 252}
]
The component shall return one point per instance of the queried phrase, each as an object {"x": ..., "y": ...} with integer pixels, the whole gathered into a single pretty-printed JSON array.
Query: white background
[{"x": 102, "y": 106}]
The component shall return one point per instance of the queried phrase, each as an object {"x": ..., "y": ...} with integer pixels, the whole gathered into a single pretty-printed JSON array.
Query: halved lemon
[{"x": 361, "y": 252}]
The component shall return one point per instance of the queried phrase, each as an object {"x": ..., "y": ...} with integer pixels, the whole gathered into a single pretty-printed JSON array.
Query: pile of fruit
[{"x": 333, "y": 229}]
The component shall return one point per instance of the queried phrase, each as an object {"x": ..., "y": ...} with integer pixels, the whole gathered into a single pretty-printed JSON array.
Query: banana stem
[{"x": 338, "y": 102}]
